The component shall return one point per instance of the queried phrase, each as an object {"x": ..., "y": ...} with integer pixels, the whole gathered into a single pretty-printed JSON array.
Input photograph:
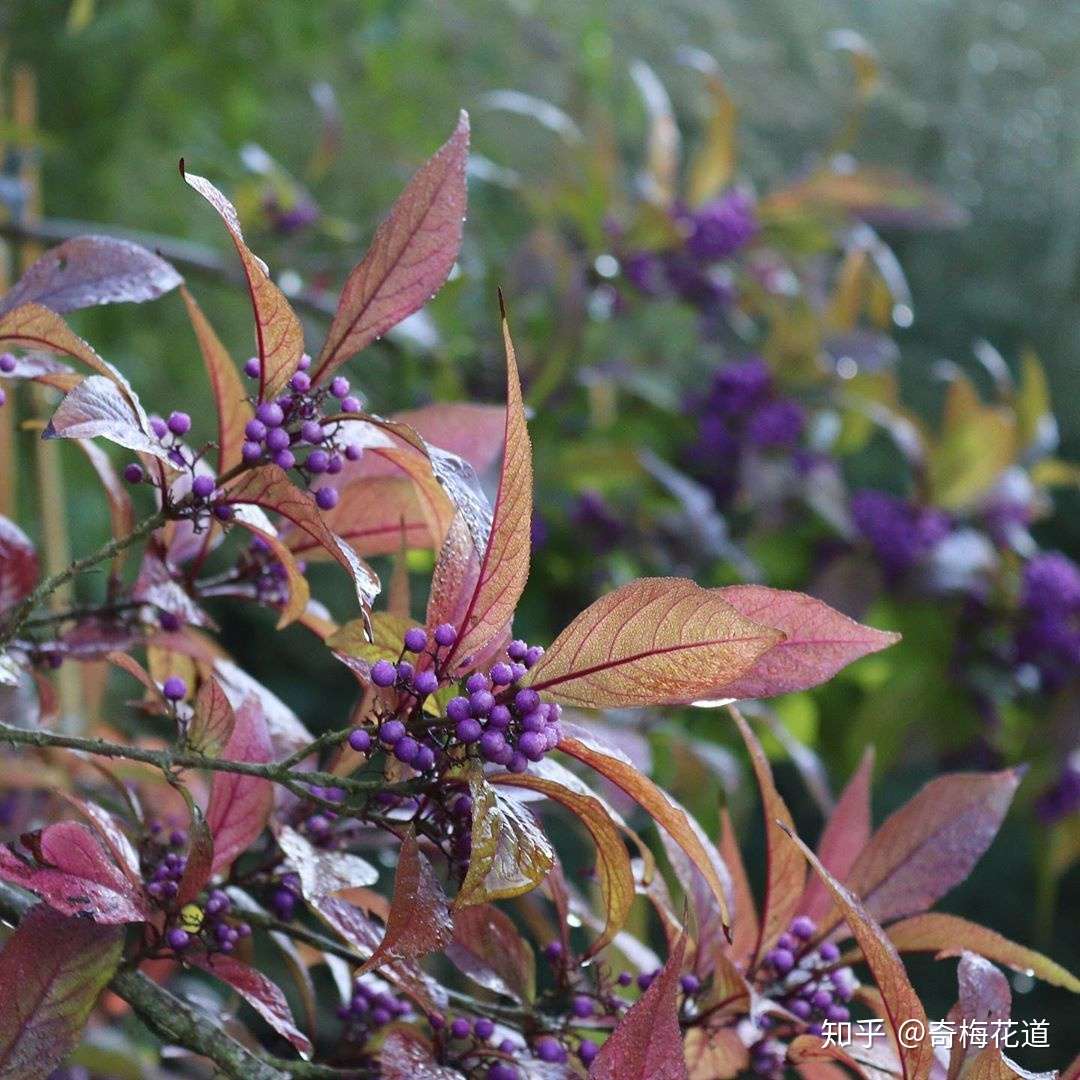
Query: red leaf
[
  {"x": 279, "y": 336},
  {"x": 949, "y": 935},
  {"x": 410, "y": 255},
  {"x": 819, "y": 641},
  {"x": 785, "y": 874},
  {"x": 406, "y": 1055},
  {"x": 647, "y": 1042},
  {"x": 240, "y": 805},
  {"x": 475, "y": 433},
  {"x": 419, "y": 920},
  {"x": 52, "y": 970},
  {"x": 489, "y": 949},
  {"x": 90, "y": 270},
  {"x": 655, "y": 641},
  {"x": 213, "y": 721},
  {"x": 269, "y": 487},
  {"x": 264, "y": 996},
  {"x": 200, "y": 853},
  {"x": 845, "y": 835},
  {"x": 75, "y": 876},
  {"x": 899, "y": 1000},
  {"x": 374, "y": 513},
  {"x": 18, "y": 565},
  {"x": 111, "y": 835},
  {"x": 488, "y": 608},
  {"x": 744, "y": 918},
  {"x": 931, "y": 843},
  {"x": 230, "y": 394},
  {"x": 655, "y": 802}
]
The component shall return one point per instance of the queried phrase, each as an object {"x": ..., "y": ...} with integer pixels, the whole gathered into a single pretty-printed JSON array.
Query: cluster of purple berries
[
  {"x": 265, "y": 573},
  {"x": 371, "y": 1006},
  {"x": 211, "y": 925},
  {"x": 319, "y": 827},
  {"x": 294, "y": 423},
  {"x": 287, "y": 219},
  {"x": 284, "y": 896},
  {"x": 1049, "y": 632},
  {"x": 164, "y": 862},
  {"x": 900, "y": 533}
]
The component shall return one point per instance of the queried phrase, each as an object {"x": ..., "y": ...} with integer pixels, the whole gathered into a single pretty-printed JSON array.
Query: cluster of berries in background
[
  {"x": 213, "y": 925},
  {"x": 372, "y": 1006},
  {"x": 163, "y": 861},
  {"x": 493, "y": 718}
]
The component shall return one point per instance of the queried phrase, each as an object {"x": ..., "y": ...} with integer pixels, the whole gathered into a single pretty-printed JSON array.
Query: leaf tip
[
  {"x": 502, "y": 303},
  {"x": 182, "y": 169}
]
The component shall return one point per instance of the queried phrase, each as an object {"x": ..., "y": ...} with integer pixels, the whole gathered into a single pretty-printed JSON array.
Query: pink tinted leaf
[
  {"x": 931, "y": 843},
  {"x": 263, "y": 995},
  {"x": 845, "y": 835},
  {"x": 240, "y": 805},
  {"x": 489, "y": 949},
  {"x": 992, "y": 1064},
  {"x": 374, "y": 513},
  {"x": 655, "y": 641},
  {"x": 90, "y": 270},
  {"x": 74, "y": 875},
  {"x": 213, "y": 721},
  {"x": 410, "y": 255},
  {"x": 406, "y": 1055},
  {"x": 655, "y": 802},
  {"x": 900, "y": 1002},
  {"x": 269, "y": 487},
  {"x": 323, "y": 873},
  {"x": 279, "y": 337},
  {"x": 18, "y": 565},
  {"x": 785, "y": 872},
  {"x": 230, "y": 394},
  {"x": 984, "y": 990},
  {"x": 504, "y": 566},
  {"x": 473, "y": 432},
  {"x": 949, "y": 935},
  {"x": 52, "y": 970},
  {"x": 744, "y": 917},
  {"x": 110, "y": 834},
  {"x": 715, "y": 1055},
  {"x": 819, "y": 641},
  {"x": 419, "y": 920},
  {"x": 647, "y": 1042},
  {"x": 287, "y": 733}
]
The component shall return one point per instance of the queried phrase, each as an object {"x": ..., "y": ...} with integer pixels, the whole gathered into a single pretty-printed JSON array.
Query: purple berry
[
  {"x": 468, "y": 730},
  {"x": 255, "y": 430},
  {"x": 645, "y": 980},
  {"x": 803, "y": 927},
  {"x": 518, "y": 762},
  {"x": 425, "y": 682},
  {"x": 532, "y": 657},
  {"x": 179, "y": 423},
  {"x": 360, "y": 741},
  {"x": 821, "y": 999},
  {"x": 690, "y": 984},
  {"x": 159, "y": 427},
  {"x": 837, "y": 1014},
  {"x": 317, "y": 461},
  {"x": 133, "y": 472},
  {"x": 582, "y": 1007},
  {"x": 549, "y": 1049},
  {"x": 533, "y": 745},
  {"x": 481, "y": 702},
  {"x": 178, "y": 939},
  {"x": 526, "y": 701},
  {"x": 301, "y": 382},
  {"x": 476, "y": 681},
  {"x": 516, "y": 650},
  {"x": 404, "y": 670},
  {"x": 285, "y": 459},
  {"x": 801, "y": 1009},
  {"x": 251, "y": 452},
  {"x": 501, "y": 1071},
  {"x": 350, "y": 405},
  {"x": 339, "y": 386},
  {"x": 445, "y": 634},
  {"x": 326, "y": 498},
  {"x": 270, "y": 413},
  {"x": 252, "y": 368},
  {"x": 534, "y": 721},
  {"x": 335, "y": 464},
  {"x": 174, "y": 688},
  {"x": 169, "y": 621},
  {"x": 501, "y": 675},
  {"x": 483, "y": 1028},
  {"x": 277, "y": 439},
  {"x": 415, "y": 638},
  {"x": 787, "y": 941},
  {"x": 499, "y": 718},
  {"x": 304, "y": 362},
  {"x": 7, "y": 363},
  {"x": 406, "y": 749},
  {"x": 625, "y": 978},
  {"x": 311, "y": 431},
  {"x": 392, "y": 731},
  {"x": 223, "y": 511},
  {"x": 587, "y": 1051},
  {"x": 492, "y": 744},
  {"x": 383, "y": 673},
  {"x": 460, "y": 1028},
  {"x": 353, "y": 452},
  {"x": 553, "y": 951},
  {"x": 202, "y": 486},
  {"x": 457, "y": 709},
  {"x": 829, "y": 951},
  {"x": 781, "y": 960},
  {"x": 425, "y": 759}
]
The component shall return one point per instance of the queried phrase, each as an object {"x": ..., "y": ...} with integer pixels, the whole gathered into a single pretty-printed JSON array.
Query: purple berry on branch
[
  {"x": 326, "y": 498},
  {"x": 353, "y": 452},
  {"x": 549, "y": 1049},
  {"x": 415, "y": 638},
  {"x": 174, "y": 688},
  {"x": 317, "y": 461},
  {"x": 481, "y": 702},
  {"x": 255, "y": 430},
  {"x": 335, "y": 464},
  {"x": 690, "y": 984},
  {"x": 527, "y": 700},
  {"x": 499, "y": 718},
  {"x": 159, "y": 427},
  {"x": 285, "y": 459},
  {"x": 383, "y": 673},
  {"x": 223, "y": 512},
  {"x": 351, "y": 405},
  {"x": 169, "y": 621},
  {"x": 457, "y": 709},
  {"x": 270, "y": 413},
  {"x": 445, "y": 634},
  {"x": 202, "y": 487},
  {"x": 553, "y": 951},
  {"x": 301, "y": 382},
  {"x": 803, "y": 927},
  {"x": 516, "y": 650},
  {"x": 392, "y": 732},
  {"x": 360, "y": 741},
  {"x": 501, "y": 674},
  {"x": 179, "y": 423},
  {"x": 251, "y": 452},
  {"x": 133, "y": 472},
  {"x": 252, "y": 368},
  {"x": 404, "y": 670},
  {"x": 582, "y": 1007},
  {"x": 339, "y": 386},
  {"x": 178, "y": 940},
  {"x": 501, "y": 1071},
  {"x": 312, "y": 431},
  {"x": 483, "y": 1028},
  {"x": 587, "y": 1051},
  {"x": 277, "y": 439},
  {"x": 460, "y": 1028},
  {"x": 425, "y": 682}
]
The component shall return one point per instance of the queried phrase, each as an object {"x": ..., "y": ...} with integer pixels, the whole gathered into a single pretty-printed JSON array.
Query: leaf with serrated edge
[
  {"x": 819, "y": 641},
  {"x": 213, "y": 721},
  {"x": 410, "y": 255},
  {"x": 279, "y": 337},
  {"x": 489, "y": 949},
  {"x": 900, "y": 1001},
  {"x": 52, "y": 970},
  {"x": 647, "y": 1042},
  {"x": 655, "y": 641},
  {"x": 931, "y": 843}
]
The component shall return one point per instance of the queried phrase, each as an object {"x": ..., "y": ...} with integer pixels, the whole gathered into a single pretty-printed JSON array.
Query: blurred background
[{"x": 860, "y": 223}]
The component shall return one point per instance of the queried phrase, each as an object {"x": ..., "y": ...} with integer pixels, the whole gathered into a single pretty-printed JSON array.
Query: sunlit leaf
[
  {"x": 52, "y": 970},
  {"x": 409, "y": 258}
]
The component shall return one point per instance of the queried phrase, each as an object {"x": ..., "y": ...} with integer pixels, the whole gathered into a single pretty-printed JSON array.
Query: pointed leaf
[
  {"x": 476, "y": 433},
  {"x": 992, "y": 1064},
  {"x": 655, "y": 802},
  {"x": 240, "y": 805},
  {"x": 419, "y": 920},
  {"x": 819, "y": 641},
  {"x": 230, "y": 394},
  {"x": 931, "y": 843},
  {"x": 111, "y": 835},
  {"x": 613, "y": 870},
  {"x": 18, "y": 565},
  {"x": 200, "y": 853},
  {"x": 121, "y": 510},
  {"x": 655, "y": 641},
  {"x": 744, "y": 917},
  {"x": 949, "y": 935},
  {"x": 213, "y": 721},
  {"x": 510, "y": 855},
  {"x": 785, "y": 874},
  {"x": 410, "y": 255},
  {"x": 75, "y": 876},
  {"x": 279, "y": 337},
  {"x": 90, "y": 270},
  {"x": 52, "y": 970},
  {"x": 489, "y": 949},
  {"x": 269, "y": 487},
  {"x": 647, "y": 1042},
  {"x": 845, "y": 835},
  {"x": 323, "y": 873},
  {"x": 263, "y": 995},
  {"x": 899, "y": 999}
]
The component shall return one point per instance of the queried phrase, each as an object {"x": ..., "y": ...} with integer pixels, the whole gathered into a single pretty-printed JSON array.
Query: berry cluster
[
  {"x": 285, "y": 896},
  {"x": 1049, "y": 632},
  {"x": 900, "y": 533},
  {"x": 163, "y": 862},
  {"x": 210, "y": 924},
  {"x": 494, "y": 718},
  {"x": 371, "y": 1006}
]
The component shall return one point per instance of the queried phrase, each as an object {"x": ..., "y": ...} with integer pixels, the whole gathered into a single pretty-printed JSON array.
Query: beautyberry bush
[{"x": 222, "y": 853}]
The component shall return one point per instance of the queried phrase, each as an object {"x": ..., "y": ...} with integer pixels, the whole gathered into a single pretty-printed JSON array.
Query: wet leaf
[
  {"x": 263, "y": 995},
  {"x": 647, "y": 1042},
  {"x": 899, "y": 999},
  {"x": 406, "y": 1055},
  {"x": 714, "y": 1055},
  {"x": 655, "y": 641},
  {"x": 213, "y": 721},
  {"x": 200, "y": 853},
  {"x": 52, "y": 970},
  {"x": 18, "y": 565},
  {"x": 931, "y": 843},
  {"x": 240, "y": 805},
  {"x": 323, "y": 873},
  {"x": 90, "y": 270},
  {"x": 410, "y": 255},
  {"x": 279, "y": 337},
  {"x": 419, "y": 920},
  {"x": 819, "y": 641},
  {"x": 475, "y": 433},
  {"x": 111, "y": 835},
  {"x": 488, "y": 947}
]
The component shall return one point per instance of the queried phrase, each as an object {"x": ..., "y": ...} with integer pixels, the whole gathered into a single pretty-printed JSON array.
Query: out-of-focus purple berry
[
  {"x": 821, "y": 999},
  {"x": 779, "y": 425},
  {"x": 829, "y": 951},
  {"x": 223, "y": 511},
  {"x": 351, "y": 404},
  {"x": 553, "y": 951},
  {"x": 500, "y": 1070},
  {"x": 326, "y": 498},
  {"x": 317, "y": 461},
  {"x": 690, "y": 984},
  {"x": 339, "y": 386},
  {"x": 277, "y": 439},
  {"x": 174, "y": 688},
  {"x": 255, "y": 430},
  {"x": 1051, "y": 582},
  {"x": 721, "y": 227},
  {"x": 179, "y": 423},
  {"x": 335, "y": 464},
  {"x": 178, "y": 939},
  {"x": 133, "y": 472},
  {"x": 549, "y": 1049},
  {"x": 492, "y": 743},
  {"x": 837, "y": 1014},
  {"x": 7, "y": 363},
  {"x": 587, "y": 1051},
  {"x": 353, "y": 452},
  {"x": 624, "y": 978},
  {"x": 406, "y": 749},
  {"x": 159, "y": 427},
  {"x": 582, "y": 1007},
  {"x": 802, "y": 1009},
  {"x": 899, "y": 532},
  {"x": 425, "y": 759},
  {"x": 483, "y": 1028},
  {"x": 460, "y": 1028}
]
